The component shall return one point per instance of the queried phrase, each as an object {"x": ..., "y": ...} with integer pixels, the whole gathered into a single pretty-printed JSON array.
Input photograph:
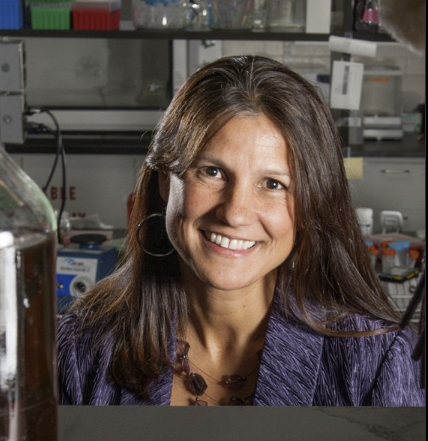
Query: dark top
[{"x": 299, "y": 367}]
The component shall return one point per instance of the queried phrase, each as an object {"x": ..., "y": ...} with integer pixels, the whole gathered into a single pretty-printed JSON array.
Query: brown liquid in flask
[{"x": 28, "y": 380}]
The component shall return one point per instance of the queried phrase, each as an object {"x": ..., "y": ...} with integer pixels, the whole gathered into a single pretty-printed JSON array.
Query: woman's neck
[
  {"x": 224, "y": 334},
  {"x": 227, "y": 321}
]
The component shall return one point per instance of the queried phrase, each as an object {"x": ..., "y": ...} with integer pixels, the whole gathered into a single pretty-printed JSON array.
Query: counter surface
[{"x": 131, "y": 423}]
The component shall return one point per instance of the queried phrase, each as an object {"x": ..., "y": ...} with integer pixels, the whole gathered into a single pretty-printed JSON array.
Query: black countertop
[
  {"x": 411, "y": 145},
  {"x": 161, "y": 423}
]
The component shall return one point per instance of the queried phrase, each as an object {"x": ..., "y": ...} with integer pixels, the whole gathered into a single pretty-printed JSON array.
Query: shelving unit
[
  {"x": 130, "y": 143},
  {"x": 168, "y": 34},
  {"x": 171, "y": 34}
]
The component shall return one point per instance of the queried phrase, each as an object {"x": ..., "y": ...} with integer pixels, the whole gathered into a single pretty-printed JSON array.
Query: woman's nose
[{"x": 237, "y": 206}]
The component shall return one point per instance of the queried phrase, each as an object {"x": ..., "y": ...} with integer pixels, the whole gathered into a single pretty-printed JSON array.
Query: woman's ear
[{"x": 163, "y": 181}]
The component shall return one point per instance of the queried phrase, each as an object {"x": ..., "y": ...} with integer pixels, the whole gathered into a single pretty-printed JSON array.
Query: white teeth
[
  {"x": 224, "y": 242},
  {"x": 231, "y": 244}
]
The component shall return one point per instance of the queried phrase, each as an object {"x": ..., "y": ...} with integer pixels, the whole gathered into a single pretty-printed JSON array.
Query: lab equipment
[{"x": 28, "y": 384}]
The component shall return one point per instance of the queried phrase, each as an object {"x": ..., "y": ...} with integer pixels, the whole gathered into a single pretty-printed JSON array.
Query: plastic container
[
  {"x": 160, "y": 14},
  {"x": 96, "y": 15},
  {"x": 50, "y": 15},
  {"x": 401, "y": 248},
  {"x": 412, "y": 259},
  {"x": 383, "y": 240},
  {"x": 374, "y": 254},
  {"x": 365, "y": 220},
  {"x": 231, "y": 14},
  {"x": 11, "y": 14},
  {"x": 388, "y": 259},
  {"x": 28, "y": 382}
]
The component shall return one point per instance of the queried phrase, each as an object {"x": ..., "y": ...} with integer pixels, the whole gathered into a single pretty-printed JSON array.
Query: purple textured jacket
[{"x": 299, "y": 367}]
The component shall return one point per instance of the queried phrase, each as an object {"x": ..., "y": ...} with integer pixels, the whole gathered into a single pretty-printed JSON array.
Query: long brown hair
[{"x": 329, "y": 267}]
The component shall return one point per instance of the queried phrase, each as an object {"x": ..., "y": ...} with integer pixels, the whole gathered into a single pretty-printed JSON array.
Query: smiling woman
[
  {"x": 228, "y": 218},
  {"x": 255, "y": 289}
]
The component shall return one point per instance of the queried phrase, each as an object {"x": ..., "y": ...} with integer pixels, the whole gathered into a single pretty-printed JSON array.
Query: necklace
[{"x": 197, "y": 384}]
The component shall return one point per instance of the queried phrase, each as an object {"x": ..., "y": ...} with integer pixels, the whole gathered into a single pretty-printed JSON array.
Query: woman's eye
[
  {"x": 213, "y": 172},
  {"x": 272, "y": 184}
]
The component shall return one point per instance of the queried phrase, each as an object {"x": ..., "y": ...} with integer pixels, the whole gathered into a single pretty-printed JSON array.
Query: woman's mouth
[{"x": 228, "y": 243}]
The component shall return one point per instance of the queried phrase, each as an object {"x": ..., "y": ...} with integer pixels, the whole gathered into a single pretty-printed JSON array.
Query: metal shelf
[
  {"x": 130, "y": 143},
  {"x": 168, "y": 34},
  {"x": 121, "y": 143}
]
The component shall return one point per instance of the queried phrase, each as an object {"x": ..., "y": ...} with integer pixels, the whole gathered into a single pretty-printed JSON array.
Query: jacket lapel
[{"x": 290, "y": 361}]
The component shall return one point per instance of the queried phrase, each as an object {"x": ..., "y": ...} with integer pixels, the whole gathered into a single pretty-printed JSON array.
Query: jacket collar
[
  {"x": 290, "y": 361},
  {"x": 288, "y": 370}
]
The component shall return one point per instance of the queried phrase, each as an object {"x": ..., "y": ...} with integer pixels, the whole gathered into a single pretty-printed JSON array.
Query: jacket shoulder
[
  {"x": 83, "y": 360},
  {"x": 376, "y": 370}
]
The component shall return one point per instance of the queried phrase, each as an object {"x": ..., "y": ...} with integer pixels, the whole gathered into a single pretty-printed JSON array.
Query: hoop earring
[{"x": 140, "y": 225}]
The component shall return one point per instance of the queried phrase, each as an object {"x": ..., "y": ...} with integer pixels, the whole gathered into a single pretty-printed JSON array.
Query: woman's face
[{"x": 230, "y": 216}]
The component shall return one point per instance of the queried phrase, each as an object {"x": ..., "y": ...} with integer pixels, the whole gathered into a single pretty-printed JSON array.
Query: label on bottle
[{"x": 8, "y": 312}]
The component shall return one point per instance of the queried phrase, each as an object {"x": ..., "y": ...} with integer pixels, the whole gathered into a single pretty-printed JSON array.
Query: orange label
[{"x": 380, "y": 79}]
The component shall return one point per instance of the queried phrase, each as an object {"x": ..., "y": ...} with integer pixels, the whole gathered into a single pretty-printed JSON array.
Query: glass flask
[
  {"x": 28, "y": 379},
  {"x": 286, "y": 15}
]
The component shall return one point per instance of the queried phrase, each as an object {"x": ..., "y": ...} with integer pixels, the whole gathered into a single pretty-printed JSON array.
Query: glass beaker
[
  {"x": 286, "y": 15},
  {"x": 231, "y": 14},
  {"x": 28, "y": 380}
]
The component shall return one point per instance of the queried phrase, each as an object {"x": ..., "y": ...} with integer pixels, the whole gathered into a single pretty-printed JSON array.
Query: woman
[{"x": 246, "y": 279}]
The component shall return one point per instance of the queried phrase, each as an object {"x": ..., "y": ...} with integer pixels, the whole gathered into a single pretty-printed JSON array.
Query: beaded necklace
[{"x": 197, "y": 384}]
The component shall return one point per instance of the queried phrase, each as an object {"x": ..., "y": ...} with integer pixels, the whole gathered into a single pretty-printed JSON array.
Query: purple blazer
[{"x": 299, "y": 367}]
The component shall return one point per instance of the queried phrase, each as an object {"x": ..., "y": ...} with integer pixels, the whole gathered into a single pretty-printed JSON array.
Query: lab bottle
[
  {"x": 28, "y": 381},
  {"x": 366, "y": 16},
  {"x": 412, "y": 258},
  {"x": 401, "y": 248},
  {"x": 373, "y": 253},
  {"x": 388, "y": 259}
]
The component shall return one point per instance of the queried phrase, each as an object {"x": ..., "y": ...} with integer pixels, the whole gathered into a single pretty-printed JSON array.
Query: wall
[{"x": 97, "y": 185}]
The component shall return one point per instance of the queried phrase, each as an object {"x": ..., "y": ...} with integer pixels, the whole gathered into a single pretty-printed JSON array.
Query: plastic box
[
  {"x": 43, "y": 17},
  {"x": 96, "y": 15},
  {"x": 50, "y": 15},
  {"x": 11, "y": 16}
]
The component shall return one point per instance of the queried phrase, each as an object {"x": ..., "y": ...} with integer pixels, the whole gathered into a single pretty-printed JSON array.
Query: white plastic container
[{"x": 365, "y": 220}]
